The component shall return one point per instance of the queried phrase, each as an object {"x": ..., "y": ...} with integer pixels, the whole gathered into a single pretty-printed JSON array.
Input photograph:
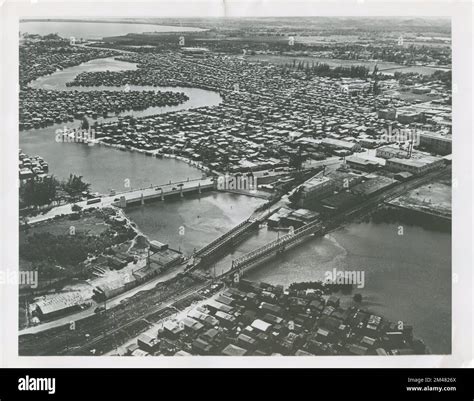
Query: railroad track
[{"x": 162, "y": 307}]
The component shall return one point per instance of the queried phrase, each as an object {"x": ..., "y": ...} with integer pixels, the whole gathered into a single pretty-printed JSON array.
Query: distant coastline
[{"x": 109, "y": 21}]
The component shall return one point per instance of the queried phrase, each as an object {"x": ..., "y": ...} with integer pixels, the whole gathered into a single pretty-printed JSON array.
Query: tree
[
  {"x": 375, "y": 75},
  {"x": 358, "y": 298},
  {"x": 84, "y": 123},
  {"x": 297, "y": 160},
  {"x": 76, "y": 208},
  {"x": 74, "y": 186},
  {"x": 375, "y": 71},
  {"x": 38, "y": 192}
]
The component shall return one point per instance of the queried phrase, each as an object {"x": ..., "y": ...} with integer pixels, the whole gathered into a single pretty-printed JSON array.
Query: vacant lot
[
  {"x": 436, "y": 197},
  {"x": 88, "y": 225}
]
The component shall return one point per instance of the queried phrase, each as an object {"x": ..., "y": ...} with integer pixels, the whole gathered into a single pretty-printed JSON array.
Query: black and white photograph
[
  {"x": 253, "y": 186},
  {"x": 236, "y": 184}
]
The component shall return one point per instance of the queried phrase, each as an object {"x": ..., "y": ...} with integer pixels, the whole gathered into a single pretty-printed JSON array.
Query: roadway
[
  {"x": 132, "y": 195},
  {"x": 159, "y": 308},
  {"x": 114, "y": 301}
]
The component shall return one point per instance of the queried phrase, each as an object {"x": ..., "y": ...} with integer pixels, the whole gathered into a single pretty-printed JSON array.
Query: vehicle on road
[{"x": 92, "y": 201}]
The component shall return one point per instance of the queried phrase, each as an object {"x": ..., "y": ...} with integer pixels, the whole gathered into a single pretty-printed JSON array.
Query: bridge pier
[
  {"x": 142, "y": 201},
  {"x": 123, "y": 202},
  {"x": 181, "y": 192},
  {"x": 162, "y": 196}
]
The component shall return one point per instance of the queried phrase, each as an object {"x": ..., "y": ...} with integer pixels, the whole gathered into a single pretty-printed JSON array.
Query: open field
[
  {"x": 88, "y": 225},
  {"x": 435, "y": 197}
]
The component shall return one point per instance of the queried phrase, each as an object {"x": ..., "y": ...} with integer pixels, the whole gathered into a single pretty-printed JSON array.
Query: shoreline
[{"x": 119, "y": 21}]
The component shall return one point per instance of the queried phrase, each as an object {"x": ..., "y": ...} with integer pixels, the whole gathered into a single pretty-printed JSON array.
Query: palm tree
[{"x": 74, "y": 186}]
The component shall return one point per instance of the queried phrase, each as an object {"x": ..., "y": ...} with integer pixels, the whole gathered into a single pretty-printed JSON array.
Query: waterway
[
  {"x": 57, "y": 81},
  {"x": 95, "y": 30},
  {"x": 407, "y": 277},
  {"x": 104, "y": 167},
  {"x": 192, "y": 222}
]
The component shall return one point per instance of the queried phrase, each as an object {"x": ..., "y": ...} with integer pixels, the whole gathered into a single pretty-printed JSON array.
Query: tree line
[
  {"x": 325, "y": 70},
  {"x": 44, "y": 191}
]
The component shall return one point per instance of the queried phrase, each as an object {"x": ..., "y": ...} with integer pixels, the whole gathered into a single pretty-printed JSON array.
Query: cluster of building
[
  {"x": 260, "y": 319},
  {"x": 40, "y": 108},
  {"x": 286, "y": 217},
  {"x": 112, "y": 273},
  {"x": 392, "y": 52},
  {"x": 266, "y": 115},
  {"x": 31, "y": 166},
  {"x": 43, "y": 55},
  {"x": 429, "y": 120},
  {"x": 159, "y": 259},
  {"x": 340, "y": 189}
]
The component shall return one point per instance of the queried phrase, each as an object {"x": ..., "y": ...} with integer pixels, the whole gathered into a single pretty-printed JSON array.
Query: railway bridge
[
  {"x": 222, "y": 245},
  {"x": 275, "y": 247}
]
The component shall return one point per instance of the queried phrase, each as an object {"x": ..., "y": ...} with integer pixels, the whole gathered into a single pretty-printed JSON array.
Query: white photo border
[{"x": 461, "y": 16}]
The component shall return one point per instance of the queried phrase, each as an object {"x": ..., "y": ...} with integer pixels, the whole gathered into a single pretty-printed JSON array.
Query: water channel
[{"x": 104, "y": 167}]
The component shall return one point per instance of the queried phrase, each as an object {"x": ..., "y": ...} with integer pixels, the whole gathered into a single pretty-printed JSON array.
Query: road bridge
[{"x": 141, "y": 196}]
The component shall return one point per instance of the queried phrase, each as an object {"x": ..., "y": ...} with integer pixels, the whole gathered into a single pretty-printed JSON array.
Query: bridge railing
[
  {"x": 221, "y": 238},
  {"x": 284, "y": 240},
  {"x": 160, "y": 185}
]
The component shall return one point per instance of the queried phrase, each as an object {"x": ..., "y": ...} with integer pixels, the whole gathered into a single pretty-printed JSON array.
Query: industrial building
[
  {"x": 156, "y": 246},
  {"x": 389, "y": 152},
  {"x": 408, "y": 116},
  {"x": 340, "y": 201},
  {"x": 414, "y": 166},
  {"x": 361, "y": 164},
  {"x": 373, "y": 186},
  {"x": 195, "y": 50},
  {"x": 49, "y": 307},
  {"x": 339, "y": 144},
  {"x": 387, "y": 114},
  {"x": 436, "y": 142},
  {"x": 315, "y": 188}
]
